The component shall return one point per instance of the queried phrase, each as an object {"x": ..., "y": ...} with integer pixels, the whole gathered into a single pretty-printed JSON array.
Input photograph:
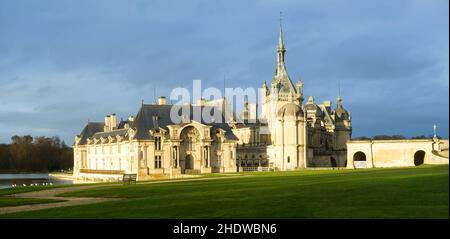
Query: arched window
[
  {"x": 359, "y": 156},
  {"x": 190, "y": 136},
  {"x": 289, "y": 159}
]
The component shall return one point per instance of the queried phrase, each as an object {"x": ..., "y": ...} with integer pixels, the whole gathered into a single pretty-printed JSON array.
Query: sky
[{"x": 63, "y": 63}]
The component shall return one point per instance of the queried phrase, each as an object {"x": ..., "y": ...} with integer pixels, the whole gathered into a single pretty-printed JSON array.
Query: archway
[
  {"x": 190, "y": 136},
  {"x": 189, "y": 162},
  {"x": 359, "y": 160},
  {"x": 419, "y": 157},
  {"x": 189, "y": 148}
]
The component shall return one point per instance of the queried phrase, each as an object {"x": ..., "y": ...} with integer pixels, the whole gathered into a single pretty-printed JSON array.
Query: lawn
[
  {"x": 9, "y": 191},
  {"x": 9, "y": 202},
  {"x": 419, "y": 192}
]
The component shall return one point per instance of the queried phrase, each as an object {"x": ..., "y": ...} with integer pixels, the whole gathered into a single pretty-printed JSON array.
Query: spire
[
  {"x": 280, "y": 35},
  {"x": 281, "y": 80},
  {"x": 281, "y": 49}
]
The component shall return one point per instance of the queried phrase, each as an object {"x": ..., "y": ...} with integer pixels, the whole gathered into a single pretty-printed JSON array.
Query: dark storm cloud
[{"x": 64, "y": 62}]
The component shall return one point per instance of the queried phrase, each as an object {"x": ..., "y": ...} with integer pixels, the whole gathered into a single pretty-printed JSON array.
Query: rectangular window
[
  {"x": 158, "y": 161},
  {"x": 157, "y": 143}
]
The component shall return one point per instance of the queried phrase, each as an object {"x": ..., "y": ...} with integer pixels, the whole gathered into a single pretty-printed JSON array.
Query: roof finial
[{"x": 280, "y": 37}]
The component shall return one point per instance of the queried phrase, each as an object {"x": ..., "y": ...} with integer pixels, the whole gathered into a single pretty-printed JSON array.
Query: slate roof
[
  {"x": 145, "y": 120},
  {"x": 284, "y": 81},
  {"x": 113, "y": 133},
  {"x": 341, "y": 113},
  {"x": 89, "y": 130}
]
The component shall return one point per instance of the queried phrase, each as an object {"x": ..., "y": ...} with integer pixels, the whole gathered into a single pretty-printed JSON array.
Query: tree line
[
  {"x": 38, "y": 154},
  {"x": 386, "y": 137}
]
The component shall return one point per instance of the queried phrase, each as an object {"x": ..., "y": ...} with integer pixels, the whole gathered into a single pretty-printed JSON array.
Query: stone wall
[{"x": 393, "y": 153}]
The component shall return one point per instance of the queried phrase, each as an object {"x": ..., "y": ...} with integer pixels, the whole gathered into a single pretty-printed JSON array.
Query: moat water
[{"x": 7, "y": 180}]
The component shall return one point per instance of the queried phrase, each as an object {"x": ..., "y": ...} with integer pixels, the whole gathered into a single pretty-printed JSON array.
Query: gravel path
[{"x": 51, "y": 194}]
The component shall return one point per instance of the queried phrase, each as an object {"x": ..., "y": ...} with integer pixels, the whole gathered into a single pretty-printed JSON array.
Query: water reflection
[{"x": 20, "y": 179}]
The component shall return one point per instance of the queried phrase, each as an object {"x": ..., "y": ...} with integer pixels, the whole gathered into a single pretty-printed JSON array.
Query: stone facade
[
  {"x": 152, "y": 146},
  {"x": 396, "y": 153},
  {"x": 291, "y": 134}
]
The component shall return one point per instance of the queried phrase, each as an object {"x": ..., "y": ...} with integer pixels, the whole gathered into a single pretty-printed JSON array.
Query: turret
[
  {"x": 264, "y": 90},
  {"x": 299, "y": 89},
  {"x": 343, "y": 129}
]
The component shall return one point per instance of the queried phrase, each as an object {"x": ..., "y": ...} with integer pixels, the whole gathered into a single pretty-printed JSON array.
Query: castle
[{"x": 288, "y": 135}]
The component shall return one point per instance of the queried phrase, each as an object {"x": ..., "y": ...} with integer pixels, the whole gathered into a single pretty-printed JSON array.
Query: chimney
[
  {"x": 107, "y": 128},
  {"x": 113, "y": 121},
  {"x": 162, "y": 100}
]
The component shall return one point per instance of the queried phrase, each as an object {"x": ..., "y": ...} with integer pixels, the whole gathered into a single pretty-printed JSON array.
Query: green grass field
[
  {"x": 9, "y": 191},
  {"x": 9, "y": 202},
  {"x": 420, "y": 192}
]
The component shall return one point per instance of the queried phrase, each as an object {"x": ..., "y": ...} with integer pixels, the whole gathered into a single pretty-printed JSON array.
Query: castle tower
[
  {"x": 288, "y": 149},
  {"x": 282, "y": 90},
  {"x": 282, "y": 105},
  {"x": 343, "y": 129}
]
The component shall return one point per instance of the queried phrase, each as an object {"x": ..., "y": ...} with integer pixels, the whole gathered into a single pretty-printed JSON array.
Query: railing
[
  {"x": 256, "y": 169},
  {"x": 101, "y": 171}
]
